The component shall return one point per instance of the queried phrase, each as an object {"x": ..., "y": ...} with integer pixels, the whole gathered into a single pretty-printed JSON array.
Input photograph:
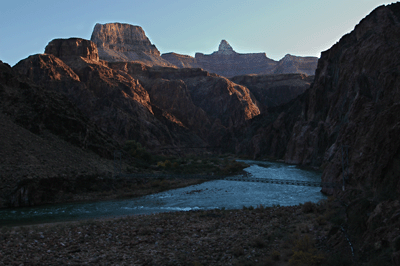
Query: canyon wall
[
  {"x": 120, "y": 42},
  {"x": 228, "y": 63},
  {"x": 155, "y": 106},
  {"x": 45, "y": 137},
  {"x": 353, "y": 102},
  {"x": 274, "y": 90}
]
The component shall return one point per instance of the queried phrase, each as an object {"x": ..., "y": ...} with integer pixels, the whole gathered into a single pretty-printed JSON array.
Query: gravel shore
[{"x": 250, "y": 236}]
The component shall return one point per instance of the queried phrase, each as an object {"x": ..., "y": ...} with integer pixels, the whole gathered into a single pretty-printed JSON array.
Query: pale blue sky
[{"x": 276, "y": 27}]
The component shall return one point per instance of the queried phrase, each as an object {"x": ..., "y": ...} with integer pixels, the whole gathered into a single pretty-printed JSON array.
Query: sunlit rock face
[
  {"x": 120, "y": 42},
  {"x": 225, "y": 48},
  {"x": 228, "y": 63},
  {"x": 73, "y": 47}
]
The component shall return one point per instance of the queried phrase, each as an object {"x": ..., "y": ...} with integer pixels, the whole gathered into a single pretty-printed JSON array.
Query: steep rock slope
[
  {"x": 354, "y": 102},
  {"x": 156, "y": 106},
  {"x": 115, "y": 101},
  {"x": 198, "y": 99},
  {"x": 44, "y": 138},
  {"x": 119, "y": 42},
  {"x": 359, "y": 79},
  {"x": 274, "y": 90}
]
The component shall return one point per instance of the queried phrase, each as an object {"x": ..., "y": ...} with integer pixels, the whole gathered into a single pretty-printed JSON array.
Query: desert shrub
[
  {"x": 338, "y": 259},
  {"x": 305, "y": 258},
  {"x": 276, "y": 255},
  {"x": 258, "y": 242},
  {"x": 308, "y": 207},
  {"x": 304, "y": 253},
  {"x": 396, "y": 243},
  {"x": 167, "y": 164},
  {"x": 232, "y": 167},
  {"x": 135, "y": 149},
  {"x": 238, "y": 251},
  {"x": 321, "y": 220}
]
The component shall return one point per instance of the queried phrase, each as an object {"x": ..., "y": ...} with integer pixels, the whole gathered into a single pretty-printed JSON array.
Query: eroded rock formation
[
  {"x": 119, "y": 42},
  {"x": 274, "y": 90},
  {"x": 228, "y": 63},
  {"x": 44, "y": 136},
  {"x": 152, "y": 105}
]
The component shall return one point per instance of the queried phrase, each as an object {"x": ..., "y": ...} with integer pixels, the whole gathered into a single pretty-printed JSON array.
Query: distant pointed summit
[{"x": 225, "y": 48}]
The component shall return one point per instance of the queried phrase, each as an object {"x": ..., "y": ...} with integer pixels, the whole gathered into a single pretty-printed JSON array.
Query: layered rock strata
[
  {"x": 119, "y": 42},
  {"x": 274, "y": 90},
  {"x": 228, "y": 63},
  {"x": 155, "y": 106},
  {"x": 45, "y": 138}
]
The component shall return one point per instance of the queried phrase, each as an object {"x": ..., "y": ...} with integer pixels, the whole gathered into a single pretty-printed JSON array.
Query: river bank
[
  {"x": 250, "y": 236},
  {"x": 99, "y": 186},
  {"x": 129, "y": 195}
]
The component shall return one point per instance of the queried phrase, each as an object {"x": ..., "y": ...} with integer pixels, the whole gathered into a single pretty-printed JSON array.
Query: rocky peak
[
  {"x": 122, "y": 37},
  {"x": 72, "y": 47},
  {"x": 225, "y": 48},
  {"x": 120, "y": 42}
]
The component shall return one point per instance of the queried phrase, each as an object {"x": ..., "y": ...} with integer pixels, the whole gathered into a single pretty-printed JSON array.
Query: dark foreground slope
[{"x": 44, "y": 137}]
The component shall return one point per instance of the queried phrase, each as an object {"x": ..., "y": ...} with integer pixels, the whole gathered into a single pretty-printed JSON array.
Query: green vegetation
[{"x": 140, "y": 160}]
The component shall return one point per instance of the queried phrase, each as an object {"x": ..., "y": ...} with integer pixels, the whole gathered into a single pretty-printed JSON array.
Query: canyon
[{"x": 83, "y": 99}]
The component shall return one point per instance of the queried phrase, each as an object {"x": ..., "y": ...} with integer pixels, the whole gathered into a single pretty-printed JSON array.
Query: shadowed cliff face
[
  {"x": 353, "y": 101},
  {"x": 274, "y": 90},
  {"x": 44, "y": 136}
]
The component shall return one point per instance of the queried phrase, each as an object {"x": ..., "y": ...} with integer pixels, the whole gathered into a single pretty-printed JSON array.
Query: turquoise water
[{"x": 208, "y": 195}]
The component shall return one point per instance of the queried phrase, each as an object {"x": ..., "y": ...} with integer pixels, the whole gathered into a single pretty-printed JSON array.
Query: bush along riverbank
[{"x": 156, "y": 174}]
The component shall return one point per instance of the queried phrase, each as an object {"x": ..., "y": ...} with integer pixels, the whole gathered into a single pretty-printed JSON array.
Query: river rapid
[{"x": 209, "y": 195}]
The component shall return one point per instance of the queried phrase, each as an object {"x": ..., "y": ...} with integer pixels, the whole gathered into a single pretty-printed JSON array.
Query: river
[{"x": 209, "y": 195}]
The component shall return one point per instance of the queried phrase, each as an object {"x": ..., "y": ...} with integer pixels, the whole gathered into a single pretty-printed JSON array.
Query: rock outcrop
[
  {"x": 44, "y": 136},
  {"x": 228, "y": 63},
  {"x": 181, "y": 61},
  {"x": 274, "y": 90},
  {"x": 155, "y": 106},
  {"x": 296, "y": 64},
  {"x": 74, "y": 47},
  {"x": 119, "y": 42},
  {"x": 353, "y": 102}
]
